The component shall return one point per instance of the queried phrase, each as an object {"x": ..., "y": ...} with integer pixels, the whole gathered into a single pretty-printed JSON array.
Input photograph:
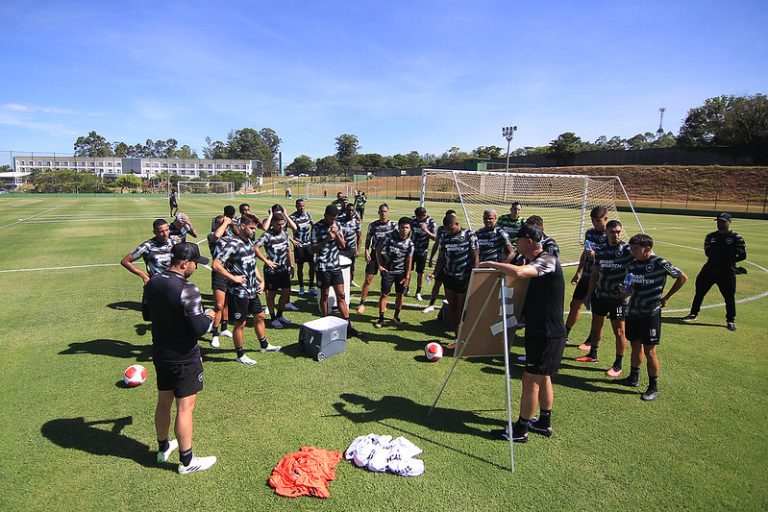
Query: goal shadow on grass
[
  {"x": 112, "y": 348},
  {"x": 96, "y": 438},
  {"x": 125, "y": 305}
]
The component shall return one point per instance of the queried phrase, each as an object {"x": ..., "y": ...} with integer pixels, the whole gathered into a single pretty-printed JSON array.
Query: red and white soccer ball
[
  {"x": 433, "y": 351},
  {"x": 135, "y": 375}
]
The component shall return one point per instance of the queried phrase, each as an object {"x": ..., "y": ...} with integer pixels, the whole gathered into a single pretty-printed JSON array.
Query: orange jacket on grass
[{"x": 305, "y": 473}]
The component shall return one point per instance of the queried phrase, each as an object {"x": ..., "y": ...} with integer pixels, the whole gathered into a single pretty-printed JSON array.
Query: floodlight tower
[
  {"x": 660, "y": 131},
  {"x": 509, "y": 133}
]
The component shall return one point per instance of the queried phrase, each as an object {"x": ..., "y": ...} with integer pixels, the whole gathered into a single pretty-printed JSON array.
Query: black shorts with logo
[
  {"x": 644, "y": 329},
  {"x": 543, "y": 354},
  {"x": 390, "y": 278},
  {"x": 303, "y": 255},
  {"x": 612, "y": 309},
  {"x": 185, "y": 379},
  {"x": 419, "y": 262},
  {"x": 218, "y": 282},
  {"x": 372, "y": 267},
  {"x": 327, "y": 278},
  {"x": 454, "y": 284},
  {"x": 277, "y": 281},
  {"x": 241, "y": 307}
]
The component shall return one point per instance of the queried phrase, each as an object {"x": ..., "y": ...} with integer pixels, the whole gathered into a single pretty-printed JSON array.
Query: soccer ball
[
  {"x": 135, "y": 375},
  {"x": 433, "y": 351}
]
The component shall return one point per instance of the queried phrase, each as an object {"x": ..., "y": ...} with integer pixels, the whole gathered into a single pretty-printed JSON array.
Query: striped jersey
[
  {"x": 611, "y": 262},
  {"x": 156, "y": 256},
  {"x": 395, "y": 252},
  {"x": 550, "y": 246},
  {"x": 510, "y": 226},
  {"x": 648, "y": 285},
  {"x": 303, "y": 231},
  {"x": 378, "y": 231},
  {"x": 492, "y": 243},
  {"x": 277, "y": 247},
  {"x": 349, "y": 229},
  {"x": 598, "y": 239},
  {"x": 239, "y": 259},
  {"x": 360, "y": 201},
  {"x": 419, "y": 236},
  {"x": 458, "y": 253},
  {"x": 180, "y": 232},
  {"x": 328, "y": 257},
  {"x": 213, "y": 244}
]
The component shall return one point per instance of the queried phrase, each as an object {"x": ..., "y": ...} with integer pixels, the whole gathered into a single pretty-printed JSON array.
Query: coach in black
[
  {"x": 544, "y": 330},
  {"x": 723, "y": 249},
  {"x": 175, "y": 309}
]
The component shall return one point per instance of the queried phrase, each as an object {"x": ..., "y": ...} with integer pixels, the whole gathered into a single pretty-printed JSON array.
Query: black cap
[
  {"x": 188, "y": 251},
  {"x": 724, "y": 216},
  {"x": 530, "y": 231}
]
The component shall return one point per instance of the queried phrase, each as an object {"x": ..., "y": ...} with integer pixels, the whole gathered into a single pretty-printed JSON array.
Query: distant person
[
  {"x": 359, "y": 201},
  {"x": 175, "y": 309},
  {"x": 512, "y": 222},
  {"x": 173, "y": 203},
  {"x": 395, "y": 257},
  {"x": 645, "y": 304},
  {"x": 723, "y": 248},
  {"x": 544, "y": 331},
  {"x": 325, "y": 193},
  {"x": 156, "y": 253}
]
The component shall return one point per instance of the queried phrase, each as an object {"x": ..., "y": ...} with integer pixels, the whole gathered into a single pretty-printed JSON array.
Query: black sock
[
  {"x": 381, "y": 317},
  {"x": 240, "y": 352},
  {"x": 397, "y": 314},
  {"x": 223, "y": 325},
  {"x": 634, "y": 374},
  {"x": 186, "y": 457},
  {"x": 567, "y": 331},
  {"x": 520, "y": 427},
  {"x": 163, "y": 445},
  {"x": 215, "y": 331},
  {"x": 617, "y": 362},
  {"x": 263, "y": 342},
  {"x": 279, "y": 313},
  {"x": 652, "y": 382},
  {"x": 593, "y": 352},
  {"x": 545, "y": 418},
  {"x": 418, "y": 290}
]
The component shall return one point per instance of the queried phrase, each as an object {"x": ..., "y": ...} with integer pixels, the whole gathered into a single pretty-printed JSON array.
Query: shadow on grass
[
  {"x": 125, "y": 305},
  {"x": 679, "y": 321},
  {"x": 403, "y": 409},
  {"x": 87, "y": 436},
  {"x": 112, "y": 348}
]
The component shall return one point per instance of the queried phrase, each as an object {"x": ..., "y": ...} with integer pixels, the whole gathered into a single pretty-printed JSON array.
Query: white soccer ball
[
  {"x": 433, "y": 351},
  {"x": 134, "y": 375}
]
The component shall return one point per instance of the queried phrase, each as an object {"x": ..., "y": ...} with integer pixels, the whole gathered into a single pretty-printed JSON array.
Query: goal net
[
  {"x": 563, "y": 201},
  {"x": 206, "y": 187},
  {"x": 328, "y": 190}
]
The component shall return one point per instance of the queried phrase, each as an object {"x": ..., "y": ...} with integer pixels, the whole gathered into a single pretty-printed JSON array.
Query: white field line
[
  {"x": 59, "y": 268},
  {"x": 30, "y": 217}
]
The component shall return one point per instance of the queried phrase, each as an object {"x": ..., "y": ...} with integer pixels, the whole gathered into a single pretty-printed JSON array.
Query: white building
[{"x": 112, "y": 166}]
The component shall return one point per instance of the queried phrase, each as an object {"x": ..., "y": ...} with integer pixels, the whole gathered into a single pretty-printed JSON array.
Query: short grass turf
[{"x": 73, "y": 439}]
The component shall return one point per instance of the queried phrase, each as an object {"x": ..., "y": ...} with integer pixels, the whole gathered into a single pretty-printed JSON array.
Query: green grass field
[{"x": 72, "y": 439}]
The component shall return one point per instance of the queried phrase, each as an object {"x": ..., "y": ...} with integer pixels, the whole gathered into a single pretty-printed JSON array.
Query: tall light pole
[{"x": 509, "y": 133}]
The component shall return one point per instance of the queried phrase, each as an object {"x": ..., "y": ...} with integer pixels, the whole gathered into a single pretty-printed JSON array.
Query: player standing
[
  {"x": 352, "y": 231},
  {"x": 723, "y": 249},
  {"x": 436, "y": 282},
  {"x": 395, "y": 257},
  {"x": 173, "y": 203},
  {"x": 606, "y": 278},
  {"x": 278, "y": 268},
  {"x": 492, "y": 241},
  {"x": 237, "y": 262},
  {"x": 359, "y": 201},
  {"x": 302, "y": 245},
  {"x": 644, "y": 320},
  {"x": 223, "y": 225},
  {"x": 378, "y": 230},
  {"x": 181, "y": 227},
  {"x": 156, "y": 252},
  {"x": 512, "y": 222},
  {"x": 423, "y": 229}
]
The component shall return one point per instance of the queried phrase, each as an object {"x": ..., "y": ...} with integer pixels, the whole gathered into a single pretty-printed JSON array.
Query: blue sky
[{"x": 402, "y": 76}]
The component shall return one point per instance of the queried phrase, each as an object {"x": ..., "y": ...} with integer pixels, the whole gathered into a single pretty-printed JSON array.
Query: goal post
[
  {"x": 206, "y": 187},
  {"x": 564, "y": 201},
  {"x": 328, "y": 190}
]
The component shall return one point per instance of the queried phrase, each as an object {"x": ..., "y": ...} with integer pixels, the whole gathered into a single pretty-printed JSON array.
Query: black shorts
[
  {"x": 453, "y": 284},
  {"x": 390, "y": 278},
  {"x": 349, "y": 253},
  {"x": 241, "y": 307},
  {"x": 580, "y": 293},
  {"x": 185, "y": 379},
  {"x": 644, "y": 329},
  {"x": 543, "y": 354},
  {"x": 360, "y": 211},
  {"x": 277, "y": 281},
  {"x": 303, "y": 255},
  {"x": 372, "y": 267},
  {"x": 612, "y": 309},
  {"x": 327, "y": 278},
  {"x": 218, "y": 282},
  {"x": 419, "y": 262}
]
